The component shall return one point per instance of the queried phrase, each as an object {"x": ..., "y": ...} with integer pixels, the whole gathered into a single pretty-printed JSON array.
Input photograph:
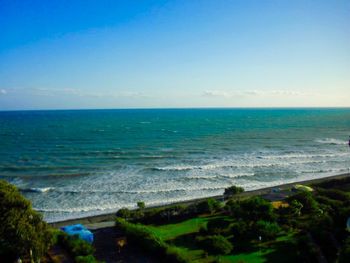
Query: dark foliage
[
  {"x": 233, "y": 190},
  {"x": 21, "y": 228},
  {"x": 216, "y": 244}
]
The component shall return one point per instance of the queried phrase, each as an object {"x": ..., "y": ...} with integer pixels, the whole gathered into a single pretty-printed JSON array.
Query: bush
[
  {"x": 141, "y": 235},
  {"x": 233, "y": 190},
  {"x": 124, "y": 213},
  {"x": 217, "y": 226},
  {"x": 74, "y": 245},
  {"x": 208, "y": 206},
  {"x": 257, "y": 208},
  {"x": 310, "y": 205},
  {"x": 240, "y": 230},
  {"x": 267, "y": 230},
  {"x": 216, "y": 244},
  {"x": 149, "y": 241}
]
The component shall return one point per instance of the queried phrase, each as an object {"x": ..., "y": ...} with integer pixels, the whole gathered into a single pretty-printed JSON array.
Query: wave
[
  {"x": 247, "y": 164},
  {"x": 37, "y": 189},
  {"x": 143, "y": 191},
  {"x": 331, "y": 141}
]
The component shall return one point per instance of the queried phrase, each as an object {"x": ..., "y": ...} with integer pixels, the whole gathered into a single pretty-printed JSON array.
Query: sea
[{"x": 76, "y": 163}]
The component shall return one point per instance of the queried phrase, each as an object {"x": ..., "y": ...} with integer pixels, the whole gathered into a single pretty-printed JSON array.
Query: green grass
[
  {"x": 279, "y": 250},
  {"x": 182, "y": 236},
  {"x": 172, "y": 231}
]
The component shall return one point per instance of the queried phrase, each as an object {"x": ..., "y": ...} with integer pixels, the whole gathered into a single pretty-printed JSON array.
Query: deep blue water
[{"x": 76, "y": 163}]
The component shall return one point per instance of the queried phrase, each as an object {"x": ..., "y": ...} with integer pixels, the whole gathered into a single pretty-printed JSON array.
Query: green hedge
[
  {"x": 150, "y": 242},
  {"x": 78, "y": 248}
]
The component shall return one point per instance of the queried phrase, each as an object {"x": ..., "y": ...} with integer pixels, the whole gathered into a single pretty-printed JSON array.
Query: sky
[{"x": 168, "y": 54}]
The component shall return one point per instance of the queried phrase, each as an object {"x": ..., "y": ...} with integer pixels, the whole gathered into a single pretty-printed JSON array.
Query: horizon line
[{"x": 179, "y": 108}]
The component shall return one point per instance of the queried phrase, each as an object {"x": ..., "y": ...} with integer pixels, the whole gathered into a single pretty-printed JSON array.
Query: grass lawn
[
  {"x": 279, "y": 250},
  {"x": 172, "y": 231},
  {"x": 182, "y": 235}
]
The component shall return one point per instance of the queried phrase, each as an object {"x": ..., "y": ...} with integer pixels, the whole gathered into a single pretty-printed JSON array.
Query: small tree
[
  {"x": 216, "y": 244},
  {"x": 141, "y": 205},
  {"x": 209, "y": 205},
  {"x": 233, "y": 190},
  {"x": 268, "y": 230},
  {"x": 124, "y": 213},
  {"x": 22, "y": 230}
]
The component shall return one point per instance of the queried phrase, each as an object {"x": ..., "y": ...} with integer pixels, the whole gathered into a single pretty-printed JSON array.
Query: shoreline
[{"x": 104, "y": 220}]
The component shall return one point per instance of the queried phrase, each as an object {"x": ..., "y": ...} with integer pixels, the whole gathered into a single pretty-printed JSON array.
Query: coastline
[{"x": 107, "y": 219}]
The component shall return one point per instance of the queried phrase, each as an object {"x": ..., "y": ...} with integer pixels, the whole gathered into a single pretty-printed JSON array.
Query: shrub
[
  {"x": 310, "y": 205},
  {"x": 257, "y": 208},
  {"x": 217, "y": 226},
  {"x": 267, "y": 230},
  {"x": 233, "y": 190},
  {"x": 240, "y": 230},
  {"x": 141, "y": 235},
  {"x": 149, "y": 241},
  {"x": 216, "y": 244},
  {"x": 74, "y": 245},
  {"x": 208, "y": 206},
  {"x": 124, "y": 213},
  {"x": 141, "y": 205}
]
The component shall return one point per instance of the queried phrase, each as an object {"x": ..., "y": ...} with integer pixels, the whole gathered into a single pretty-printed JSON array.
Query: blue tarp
[{"x": 79, "y": 230}]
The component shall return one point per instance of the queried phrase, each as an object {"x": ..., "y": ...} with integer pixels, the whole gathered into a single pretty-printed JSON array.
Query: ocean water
[{"x": 85, "y": 162}]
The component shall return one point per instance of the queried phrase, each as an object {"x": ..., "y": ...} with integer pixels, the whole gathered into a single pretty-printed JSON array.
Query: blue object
[{"x": 79, "y": 230}]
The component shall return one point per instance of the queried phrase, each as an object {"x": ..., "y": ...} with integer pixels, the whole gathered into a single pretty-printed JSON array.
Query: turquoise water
[{"x": 78, "y": 163}]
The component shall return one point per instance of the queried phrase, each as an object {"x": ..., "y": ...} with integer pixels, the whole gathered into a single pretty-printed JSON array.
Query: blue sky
[{"x": 141, "y": 54}]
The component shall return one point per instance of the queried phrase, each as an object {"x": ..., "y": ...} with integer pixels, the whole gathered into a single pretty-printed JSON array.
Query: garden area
[{"x": 308, "y": 226}]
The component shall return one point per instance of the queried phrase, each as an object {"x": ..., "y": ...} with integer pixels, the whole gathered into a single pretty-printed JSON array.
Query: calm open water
[{"x": 85, "y": 162}]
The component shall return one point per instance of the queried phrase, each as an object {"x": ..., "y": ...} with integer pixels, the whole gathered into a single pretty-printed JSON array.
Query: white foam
[{"x": 331, "y": 141}]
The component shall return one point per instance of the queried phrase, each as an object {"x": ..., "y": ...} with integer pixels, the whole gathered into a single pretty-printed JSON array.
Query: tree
[
  {"x": 216, "y": 244},
  {"x": 257, "y": 208},
  {"x": 209, "y": 205},
  {"x": 296, "y": 207},
  {"x": 22, "y": 230},
  {"x": 267, "y": 230},
  {"x": 141, "y": 205},
  {"x": 124, "y": 213},
  {"x": 233, "y": 190}
]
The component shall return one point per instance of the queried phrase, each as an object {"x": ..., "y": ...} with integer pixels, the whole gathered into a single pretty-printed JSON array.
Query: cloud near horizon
[{"x": 253, "y": 93}]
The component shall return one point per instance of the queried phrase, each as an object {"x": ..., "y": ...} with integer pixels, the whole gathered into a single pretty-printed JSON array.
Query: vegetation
[
  {"x": 308, "y": 227},
  {"x": 23, "y": 233},
  {"x": 216, "y": 244},
  {"x": 80, "y": 250},
  {"x": 233, "y": 190}
]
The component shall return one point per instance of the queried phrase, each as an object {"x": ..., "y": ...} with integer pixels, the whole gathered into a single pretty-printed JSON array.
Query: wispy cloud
[
  {"x": 3, "y": 92},
  {"x": 252, "y": 93},
  {"x": 88, "y": 93}
]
